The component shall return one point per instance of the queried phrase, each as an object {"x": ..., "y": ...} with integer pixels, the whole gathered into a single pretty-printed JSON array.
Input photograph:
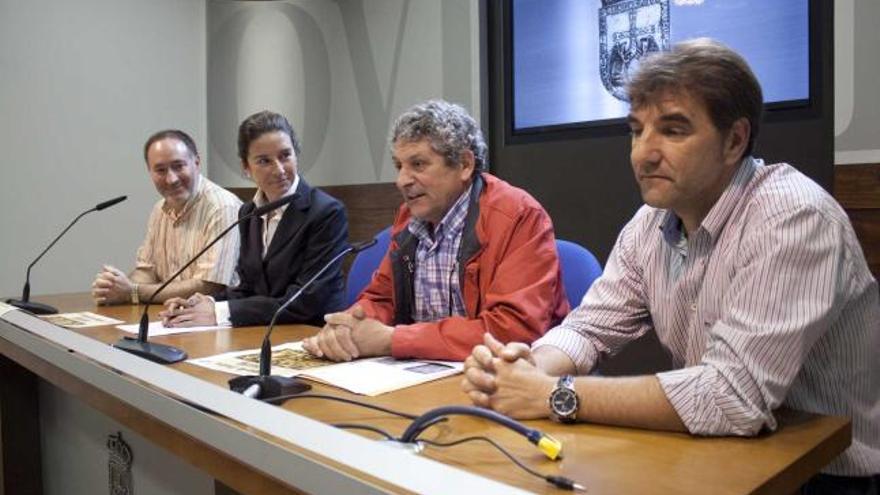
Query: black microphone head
[
  {"x": 360, "y": 246},
  {"x": 278, "y": 203},
  {"x": 110, "y": 202}
]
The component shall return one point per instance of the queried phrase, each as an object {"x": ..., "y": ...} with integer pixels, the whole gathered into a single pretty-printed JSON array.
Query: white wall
[
  {"x": 341, "y": 71},
  {"x": 82, "y": 85},
  {"x": 856, "y": 72}
]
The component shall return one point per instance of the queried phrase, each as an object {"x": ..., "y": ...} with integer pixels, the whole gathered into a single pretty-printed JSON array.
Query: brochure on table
[
  {"x": 370, "y": 376},
  {"x": 82, "y": 319}
]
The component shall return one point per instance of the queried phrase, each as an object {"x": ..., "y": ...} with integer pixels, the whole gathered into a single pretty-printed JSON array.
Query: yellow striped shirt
[{"x": 173, "y": 239}]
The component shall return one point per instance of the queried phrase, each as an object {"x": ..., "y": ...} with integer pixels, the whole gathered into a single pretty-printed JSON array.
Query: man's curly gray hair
[{"x": 447, "y": 126}]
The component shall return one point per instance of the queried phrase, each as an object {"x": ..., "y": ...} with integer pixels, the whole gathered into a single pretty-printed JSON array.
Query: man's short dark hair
[
  {"x": 261, "y": 123},
  {"x": 708, "y": 70},
  {"x": 172, "y": 134},
  {"x": 449, "y": 129}
]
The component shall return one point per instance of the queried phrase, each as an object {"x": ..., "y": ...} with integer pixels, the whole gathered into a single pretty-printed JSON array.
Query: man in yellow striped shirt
[{"x": 192, "y": 211}]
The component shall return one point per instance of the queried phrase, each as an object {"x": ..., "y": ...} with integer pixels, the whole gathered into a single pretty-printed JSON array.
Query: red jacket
[{"x": 511, "y": 282}]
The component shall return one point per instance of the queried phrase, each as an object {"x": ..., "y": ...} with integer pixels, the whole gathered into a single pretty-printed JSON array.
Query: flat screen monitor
[{"x": 571, "y": 59}]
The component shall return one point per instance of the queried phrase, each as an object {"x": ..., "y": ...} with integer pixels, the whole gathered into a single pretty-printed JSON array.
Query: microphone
[
  {"x": 109, "y": 203},
  {"x": 44, "y": 309},
  {"x": 265, "y": 386},
  {"x": 167, "y": 354}
]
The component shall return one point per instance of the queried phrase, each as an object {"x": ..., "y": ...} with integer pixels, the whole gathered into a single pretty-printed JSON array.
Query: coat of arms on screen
[
  {"x": 119, "y": 465},
  {"x": 629, "y": 30}
]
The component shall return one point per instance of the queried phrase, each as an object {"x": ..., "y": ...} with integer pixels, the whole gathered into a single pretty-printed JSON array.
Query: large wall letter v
[{"x": 375, "y": 109}]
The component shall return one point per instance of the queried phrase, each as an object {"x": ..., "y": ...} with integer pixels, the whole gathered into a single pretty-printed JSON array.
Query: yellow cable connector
[{"x": 550, "y": 446}]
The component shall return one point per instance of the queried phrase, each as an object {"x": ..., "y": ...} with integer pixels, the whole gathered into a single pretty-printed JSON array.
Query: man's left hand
[
  {"x": 111, "y": 286},
  {"x": 196, "y": 311},
  {"x": 350, "y": 335},
  {"x": 510, "y": 384}
]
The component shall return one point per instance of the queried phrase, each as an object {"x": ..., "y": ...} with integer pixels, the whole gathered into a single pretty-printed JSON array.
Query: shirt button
[{"x": 693, "y": 306}]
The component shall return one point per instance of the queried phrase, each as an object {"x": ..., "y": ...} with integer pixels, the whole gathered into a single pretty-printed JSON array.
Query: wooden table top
[{"x": 605, "y": 459}]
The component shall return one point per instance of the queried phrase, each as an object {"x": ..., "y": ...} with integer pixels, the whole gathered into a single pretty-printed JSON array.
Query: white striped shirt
[
  {"x": 173, "y": 239},
  {"x": 770, "y": 304}
]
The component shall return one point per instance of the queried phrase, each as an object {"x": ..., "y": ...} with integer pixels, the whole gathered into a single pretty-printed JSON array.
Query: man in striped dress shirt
[
  {"x": 193, "y": 210},
  {"x": 750, "y": 274}
]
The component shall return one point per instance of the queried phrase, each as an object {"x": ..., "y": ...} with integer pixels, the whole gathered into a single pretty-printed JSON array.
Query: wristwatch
[{"x": 564, "y": 402}]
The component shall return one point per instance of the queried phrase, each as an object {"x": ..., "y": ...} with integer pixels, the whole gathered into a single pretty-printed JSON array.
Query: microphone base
[
  {"x": 159, "y": 353},
  {"x": 270, "y": 386},
  {"x": 33, "y": 307}
]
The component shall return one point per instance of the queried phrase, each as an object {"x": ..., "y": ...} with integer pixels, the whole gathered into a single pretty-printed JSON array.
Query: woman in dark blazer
[{"x": 281, "y": 250}]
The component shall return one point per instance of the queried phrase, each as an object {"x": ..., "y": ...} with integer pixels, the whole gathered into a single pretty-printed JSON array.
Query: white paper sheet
[{"x": 156, "y": 328}]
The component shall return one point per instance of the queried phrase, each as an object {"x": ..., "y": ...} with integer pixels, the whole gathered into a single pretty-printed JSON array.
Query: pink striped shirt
[{"x": 769, "y": 303}]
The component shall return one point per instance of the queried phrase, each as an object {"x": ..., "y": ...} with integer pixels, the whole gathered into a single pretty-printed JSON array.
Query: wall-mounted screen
[{"x": 571, "y": 59}]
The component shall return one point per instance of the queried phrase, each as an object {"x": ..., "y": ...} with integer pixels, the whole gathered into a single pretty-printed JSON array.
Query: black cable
[
  {"x": 355, "y": 426},
  {"x": 433, "y": 422},
  {"x": 428, "y": 419},
  {"x": 489, "y": 441},
  {"x": 557, "y": 481},
  {"x": 283, "y": 398},
  {"x": 425, "y": 421}
]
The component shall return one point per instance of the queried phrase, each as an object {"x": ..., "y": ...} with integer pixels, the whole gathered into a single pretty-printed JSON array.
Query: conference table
[{"x": 254, "y": 447}]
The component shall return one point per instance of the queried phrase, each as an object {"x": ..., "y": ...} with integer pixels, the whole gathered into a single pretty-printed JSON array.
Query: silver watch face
[{"x": 564, "y": 402}]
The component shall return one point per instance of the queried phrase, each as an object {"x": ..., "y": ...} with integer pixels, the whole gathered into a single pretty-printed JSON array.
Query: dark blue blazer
[{"x": 311, "y": 232}]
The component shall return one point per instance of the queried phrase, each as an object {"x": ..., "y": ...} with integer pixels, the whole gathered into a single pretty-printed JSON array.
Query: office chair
[
  {"x": 579, "y": 269},
  {"x": 364, "y": 264}
]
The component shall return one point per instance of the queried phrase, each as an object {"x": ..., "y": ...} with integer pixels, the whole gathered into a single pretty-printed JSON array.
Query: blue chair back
[
  {"x": 579, "y": 269},
  {"x": 365, "y": 263}
]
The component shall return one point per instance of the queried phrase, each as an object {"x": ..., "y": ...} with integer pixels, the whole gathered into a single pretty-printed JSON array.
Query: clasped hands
[
  {"x": 111, "y": 286},
  {"x": 506, "y": 379},
  {"x": 197, "y": 310},
  {"x": 350, "y": 335}
]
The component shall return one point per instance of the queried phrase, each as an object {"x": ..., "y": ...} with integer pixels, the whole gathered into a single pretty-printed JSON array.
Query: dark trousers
[{"x": 829, "y": 484}]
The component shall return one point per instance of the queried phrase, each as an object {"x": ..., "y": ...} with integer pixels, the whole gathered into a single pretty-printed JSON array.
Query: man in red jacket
[{"x": 469, "y": 253}]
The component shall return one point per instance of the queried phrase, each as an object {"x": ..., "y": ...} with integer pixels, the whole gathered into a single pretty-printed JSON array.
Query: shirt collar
[
  {"x": 730, "y": 198},
  {"x": 451, "y": 224},
  {"x": 260, "y": 197},
  {"x": 713, "y": 223},
  {"x": 672, "y": 229},
  {"x": 197, "y": 191}
]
